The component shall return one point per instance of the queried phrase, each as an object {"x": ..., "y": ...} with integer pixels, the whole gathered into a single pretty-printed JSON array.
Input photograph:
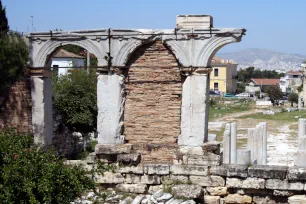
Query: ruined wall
[
  {"x": 16, "y": 108},
  {"x": 153, "y": 101}
]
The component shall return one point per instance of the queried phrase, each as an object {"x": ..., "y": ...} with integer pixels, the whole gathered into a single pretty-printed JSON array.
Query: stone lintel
[{"x": 39, "y": 72}]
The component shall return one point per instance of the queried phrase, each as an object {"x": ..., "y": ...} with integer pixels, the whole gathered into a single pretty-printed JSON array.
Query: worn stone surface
[
  {"x": 236, "y": 198},
  {"x": 110, "y": 149},
  {"x": 217, "y": 191},
  {"x": 109, "y": 178},
  {"x": 154, "y": 188},
  {"x": 230, "y": 170},
  {"x": 209, "y": 159},
  {"x": 131, "y": 159},
  {"x": 150, "y": 179},
  {"x": 297, "y": 173},
  {"x": 207, "y": 180},
  {"x": 268, "y": 171},
  {"x": 132, "y": 188},
  {"x": 255, "y": 183},
  {"x": 194, "y": 111},
  {"x": 211, "y": 199},
  {"x": 188, "y": 170},
  {"x": 297, "y": 199},
  {"x": 158, "y": 169},
  {"x": 283, "y": 193},
  {"x": 212, "y": 147},
  {"x": 234, "y": 183},
  {"x": 283, "y": 185},
  {"x": 172, "y": 179},
  {"x": 132, "y": 178},
  {"x": 187, "y": 191},
  {"x": 131, "y": 170}
]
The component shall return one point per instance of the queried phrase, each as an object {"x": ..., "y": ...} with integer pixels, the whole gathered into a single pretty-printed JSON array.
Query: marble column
[
  {"x": 41, "y": 92},
  {"x": 194, "y": 110},
  {"x": 110, "y": 99},
  {"x": 233, "y": 156}
]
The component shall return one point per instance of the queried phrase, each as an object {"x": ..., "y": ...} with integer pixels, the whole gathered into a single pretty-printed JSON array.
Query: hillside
[{"x": 265, "y": 59}]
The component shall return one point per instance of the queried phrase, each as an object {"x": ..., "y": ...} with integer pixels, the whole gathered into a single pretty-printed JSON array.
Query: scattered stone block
[
  {"x": 217, "y": 191},
  {"x": 230, "y": 170},
  {"x": 234, "y": 183},
  {"x": 187, "y": 191},
  {"x": 297, "y": 174},
  {"x": 208, "y": 159},
  {"x": 158, "y": 169},
  {"x": 138, "y": 199},
  {"x": 113, "y": 149},
  {"x": 268, "y": 172},
  {"x": 150, "y": 179},
  {"x": 153, "y": 189},
  {"x": 283, "y": 193},
  {"x": 109, "y": 178},
  {"x": 132, "y": 188},
  {"x": 188, "y": 170},
  {"x": 297, "y": 199},
  {"x": 236, "y": 198},
  {"x": 165, "y": 197},
  {"x": 207, "y": 180},
  {"x": 212, "y": 147},
  {"x": 255, "y": 183},
  {"x": 131, "y": 170},
  {"x": 211, "y": 199},
  {"x": 129, "y": 159},
  {"x": 174, "y": 179}
]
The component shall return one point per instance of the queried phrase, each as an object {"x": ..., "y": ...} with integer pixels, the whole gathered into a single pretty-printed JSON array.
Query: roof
[
  {"x": 291, "y": 72},
  {"x": 264, "y": 81},
  {"x": 65, "y": 54}
]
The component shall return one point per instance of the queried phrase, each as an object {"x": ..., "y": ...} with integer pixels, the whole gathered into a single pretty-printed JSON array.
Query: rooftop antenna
[{"x": 32, "y": 17}]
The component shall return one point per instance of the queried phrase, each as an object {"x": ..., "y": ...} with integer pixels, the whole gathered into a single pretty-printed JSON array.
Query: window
[
  {"x": 216, "y": 87},
  {"x": 216, "y": 72}
]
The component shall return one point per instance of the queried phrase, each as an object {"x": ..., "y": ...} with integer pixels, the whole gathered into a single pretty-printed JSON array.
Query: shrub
[
  {"x": 75, "y": 97},
  {"x": 30, "y": 175}
]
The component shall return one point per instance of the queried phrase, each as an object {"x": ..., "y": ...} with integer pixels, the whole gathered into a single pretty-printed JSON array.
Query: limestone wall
[
  {"x": 200, "y": 169},
  {"x": 16, "y": 108},
  {"x": 153, "y": 100}
]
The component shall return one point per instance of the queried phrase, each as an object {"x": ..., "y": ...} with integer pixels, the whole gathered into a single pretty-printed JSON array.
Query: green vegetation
[
  {"x": 293, "y": 98},
  {"x": 221, "y": 108},
  {"x": 244, "y": 75},
  {"x": 274, "y": 93},
  {"x": 4, "y": 28},
  {"x": 281, "y": 116},
  {"x": 29, "y": 174},
  {"x": 75, "y": 96}
]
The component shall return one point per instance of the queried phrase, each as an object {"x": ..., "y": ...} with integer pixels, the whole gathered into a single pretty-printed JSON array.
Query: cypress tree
[{"x": 4, "y": 27}]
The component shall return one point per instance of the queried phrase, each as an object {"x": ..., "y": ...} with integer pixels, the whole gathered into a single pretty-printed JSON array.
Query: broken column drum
[{"x": 192, "y": 45}]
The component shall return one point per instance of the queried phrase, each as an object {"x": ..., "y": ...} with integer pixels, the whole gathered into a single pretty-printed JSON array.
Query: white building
[
  {"x": 291, "y": 81},
  {"x": 63, "y": 58}
]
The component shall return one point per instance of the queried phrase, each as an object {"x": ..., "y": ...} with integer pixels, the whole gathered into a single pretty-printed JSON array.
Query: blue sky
[{"x": 279, "y": 25}]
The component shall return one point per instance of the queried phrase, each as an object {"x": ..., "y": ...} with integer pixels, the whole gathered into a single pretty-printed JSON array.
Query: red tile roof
[
  {"x": 266, "y": 81},
  {"x": 291, "y": 72}
]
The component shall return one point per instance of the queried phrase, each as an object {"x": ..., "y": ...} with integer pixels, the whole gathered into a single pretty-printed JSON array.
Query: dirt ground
[{"x": 282, "y": 134}]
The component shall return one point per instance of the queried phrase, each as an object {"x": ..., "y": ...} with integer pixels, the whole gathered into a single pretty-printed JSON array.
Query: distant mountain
[{"x": 264, "y": 59}]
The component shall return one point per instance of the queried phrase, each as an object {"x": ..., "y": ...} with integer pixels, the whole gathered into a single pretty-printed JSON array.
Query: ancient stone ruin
[{"x": 152, "y": 95}]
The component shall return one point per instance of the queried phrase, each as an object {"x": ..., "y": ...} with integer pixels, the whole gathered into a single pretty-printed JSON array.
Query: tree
[
  {"x": 75, "y": 97},
  {"x": 293, "y": 98},
  {"x": 274, "y": 93},
  {"x": 4, "y": 28},
  {"x": 29, "y": 174}
]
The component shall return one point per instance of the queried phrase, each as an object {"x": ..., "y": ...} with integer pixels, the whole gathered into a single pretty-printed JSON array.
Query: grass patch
[
  {"x": 220, "y": 110},
  {"x": 282, "y": 116}
]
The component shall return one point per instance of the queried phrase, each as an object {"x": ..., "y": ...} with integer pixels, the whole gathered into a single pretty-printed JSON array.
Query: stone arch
[
  {"x": 50, "y": 46},
  {"x": 214, "y": 44},
  {"x": 178, "y": 51}
]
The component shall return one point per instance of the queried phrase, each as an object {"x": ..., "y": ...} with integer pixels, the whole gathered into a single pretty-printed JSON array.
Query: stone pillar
[
  {"x": 227, "y": 144},
  {"x": 251, "y": 144},
  {"x": 233, "y": 143},
  {"x": 194, "y": 111},
  {"x": 264, "y": 143},
  {"x": 300, "y": 159},
  {"x": 300, "y": 102},
  {"x": 302, "y": 127},
  {"x": 41, "y": 92},
  {"x": 243, "y": 156},
  {"x": 110, "y": 99}
]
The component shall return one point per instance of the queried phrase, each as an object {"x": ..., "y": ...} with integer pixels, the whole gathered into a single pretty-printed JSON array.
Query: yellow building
[{"x": 223, "y": 77}]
